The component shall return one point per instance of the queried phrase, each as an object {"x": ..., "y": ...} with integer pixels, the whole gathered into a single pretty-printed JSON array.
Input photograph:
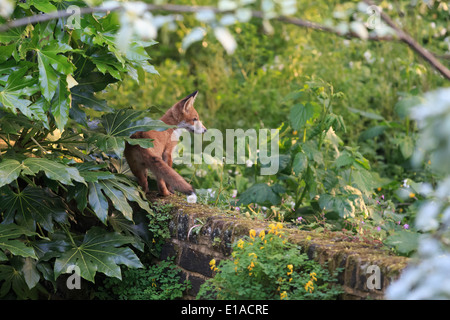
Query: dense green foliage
[
  {"x": 62, "y": 178},
  {"x": 156, "y": 282}
]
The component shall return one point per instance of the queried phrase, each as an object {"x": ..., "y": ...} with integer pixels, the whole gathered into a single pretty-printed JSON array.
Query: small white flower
[
  {"x": 249, "y": 163},
  {"x": 405, "y": 183},
  {"x": 192, "y": 198}
]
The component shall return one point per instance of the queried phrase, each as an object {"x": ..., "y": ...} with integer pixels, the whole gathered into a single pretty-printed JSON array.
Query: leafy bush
[
  {"x": 267, "y": 267},
  {"x": 157, "y": 282},
  {"x": 65, "y": 197}
]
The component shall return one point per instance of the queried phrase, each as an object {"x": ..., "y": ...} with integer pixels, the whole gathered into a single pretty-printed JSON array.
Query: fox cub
[{"x": 159, "y": 158}]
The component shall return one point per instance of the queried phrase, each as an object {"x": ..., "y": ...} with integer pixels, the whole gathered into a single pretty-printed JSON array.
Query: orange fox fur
[{"x": 159, "y": 158}]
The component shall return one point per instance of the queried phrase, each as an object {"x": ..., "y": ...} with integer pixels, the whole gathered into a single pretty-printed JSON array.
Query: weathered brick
[{"x": 196, "y": 261}]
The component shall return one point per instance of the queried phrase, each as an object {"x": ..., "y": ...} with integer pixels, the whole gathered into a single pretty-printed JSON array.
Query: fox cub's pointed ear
[{"x": 189, "y": 101}]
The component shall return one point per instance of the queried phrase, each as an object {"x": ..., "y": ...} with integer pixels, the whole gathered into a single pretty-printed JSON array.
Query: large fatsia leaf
[
  {"x": 100, "y": 251},
  {"x": 51, "y": 65},
  {"x": 118, "y": 191},
  {"x": 30, "y": 206},
  {"x": 117, "y": 128},
  {"x": 22, "y": 277},
  {"x": 12, "y": 278},
  {"x": 53, "y": 170},
  {"x": 12, "y": 95},
  {"x": 9, "y": 234},
  {"x": 10, "y": 169}
]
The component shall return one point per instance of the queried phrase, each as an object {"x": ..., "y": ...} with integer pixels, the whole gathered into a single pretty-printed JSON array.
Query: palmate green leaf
[
  {"x": 30, "y": 206},
  {"x": 119, "y": 192},
  {"x": 13, "y": 34},
  {"x": 51, "y": 65},
  {"x": 124, "y": 123},
  {"x": 12, "y": 95},
  {"x": 11, "y": 169},
  {"x": 11, "y": 277},
  {"x": 43, "y": 5},
  {"x": 118, "y": 127},
  {"x": 100, "y": 251},
  {"x": 107, "y": 63},
  {"x": 53, "y": 170},
  {"x": 9, "y": 234}
]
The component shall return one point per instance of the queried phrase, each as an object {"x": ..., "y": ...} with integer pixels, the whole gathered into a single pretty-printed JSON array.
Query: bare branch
[
  {"x": 413, "y": 44},
  {"x": 401, "y": 34}
]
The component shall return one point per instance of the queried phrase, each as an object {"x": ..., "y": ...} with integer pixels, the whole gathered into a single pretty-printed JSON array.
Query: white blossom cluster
[{"x": 429, "y": 276}]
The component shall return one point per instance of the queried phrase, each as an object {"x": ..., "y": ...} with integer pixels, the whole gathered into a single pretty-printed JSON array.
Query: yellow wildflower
[
  {"x": 212, "y": 263},
  {"x": 240, "y": 244},
  {"x": 283, "y": 295},
  {"x": 252, "y": 234},
  {"x": 412, "y": 195},
  {"x": 309, "y": 286},
  {"x": 313, "y": 276},
  {"x": 262, "y": 234},
  {"x": 291, "y": 269},
  {"x": 279, "y": 225},
  {"x": 272, "y": 228}
]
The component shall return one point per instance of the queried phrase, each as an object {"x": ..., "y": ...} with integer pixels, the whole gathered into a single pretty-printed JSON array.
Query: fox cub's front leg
[{"x": 167, "y": 157}]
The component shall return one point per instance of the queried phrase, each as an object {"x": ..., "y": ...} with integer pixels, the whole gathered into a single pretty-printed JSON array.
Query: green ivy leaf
[{"x": 100, "y": 251}]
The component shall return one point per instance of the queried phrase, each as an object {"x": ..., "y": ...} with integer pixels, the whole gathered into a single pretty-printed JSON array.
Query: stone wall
[{"x": 194, "y": 247}]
